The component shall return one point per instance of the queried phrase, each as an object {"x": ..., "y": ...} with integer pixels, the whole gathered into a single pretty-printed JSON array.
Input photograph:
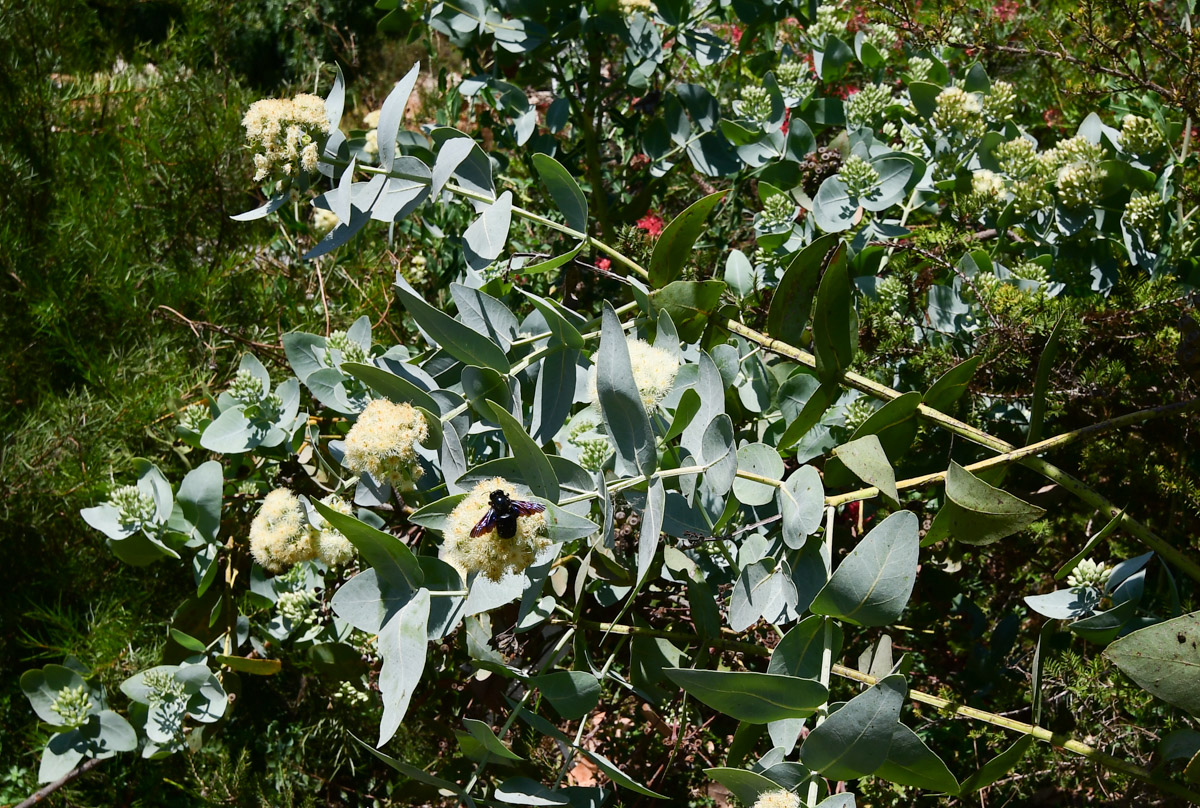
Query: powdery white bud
[
  {"x": 778, "y": 799},
  {"x": 1030, "y": 271},
  {"x": 828, "y": 22},
  {"x": 246, "y": 388},
  {"x": 491, "y": 555},
  {"x": 857, "y": 412},
  {"x": 1143, "y": 211},
  {"x": 349, "y": 694},
  {"x": 195, "y": 417},
  {"x": 350, "y": 350},
  {"x": 1139, "y": 135},
  {"x": 134, "y": 506},
  {"x": 1089, "y": 573},
  {"x": 794, "y": 79},
  {"x": 280, "y": 535},
  {"x": 778, "y": 213},
  {"x": 72, "y": 705},
  {"x": 1017, "y": 158},
  {"x": 1000, "y": 102},
  {"x": 653, "y": 372},
  {"x": 383, "y": 441},
  {"x": 164, "y": 687},
  {"x": 867, "y": 104},
  {"x": 594, "y": 453},
  {"x": 1079, "y": 184},
  {"x": 959, "y": 111},
  {"x": 332, "y": 545},
  {"x": 755, "y": 104},
  {"x": 859, "y": 176},
  {"x": 919, "y": 68},
  {"x": 1030, "y": 197},
  {"x": 296, "y": 606}
]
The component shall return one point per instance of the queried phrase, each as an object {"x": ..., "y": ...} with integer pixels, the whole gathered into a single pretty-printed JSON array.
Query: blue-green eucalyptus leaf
[
  {"x": 402, "y": 645},
  {"x": 455, "y": 338},
  {"x": 746, "y": 785},
  {"x": 1163, "y": 659},
  {"x": 911, "y": 763},
  {"x": 997, "y": 767},
  {"x": 874, "y": 582},
  {"x": 690, "y": 303},
  {"x": 835, "y": 325},
  {"x": 866, "y": 458},
  {"x": 801, "y": 505},
  {"x": 391, "y": 115},
  {"x": 200, "y": 496},
  {"x": 673, "y": 249},
  {"x": 389, "y": 556},
  {"x": 763, "y": 461},
  {"x": 564, "y": 190},
  {"x": 485, "y": 238},
  {"x": 539, "y": 475},
  {"x": 395, "y": 388},
  {"x": 572, "y": 694},
  {"x": 951, "y": 385},
  {"x": 526, "y": 791},
  {"x": 854, "y": 741},
  {"x": 978, "y": 513},
  {"x": 752, "y": 697},
  {"x": 485, "y": 314},
  {"x": 624, "y": 414},
  {"x": 793, "y": 298}
]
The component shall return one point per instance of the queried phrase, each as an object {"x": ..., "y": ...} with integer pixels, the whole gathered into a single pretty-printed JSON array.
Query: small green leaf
[
  {"x": 911, "y": 763},
  {"x": 673, "y": 249},
  {"x": 801, "y": 505},
  {"x": 1164, "y": 659},
  {"x": 855, "y": 741},
  {"x": 483, "y": 733},
  {"x": 952, "y": 384},
  {"x": 455, "y": 338},
  {"x": 539, "y": 475},
  {"x": 752, "y": 697},
  {"x": 866, "y": 458},
  {"x": 690, "y": 303},
  {"x": 835, "y": 326},
  {"x": 792, "y": 302},
  {"x": 625, "y": 418},
  {"x": 747, "y": 786},
  {"x": 396, "y": 389},
  {"x": 189, "y": 642},
  {"x": 572, "y": 694},
  {"x": 257, "y": 667},
  {"x": 564, "y": 190},
  {"x": 977, "y": 513},
  {"x": 387, "y": 555},
  {"x": 872, "y": 585},
  {"x": 997, "y": 767}
]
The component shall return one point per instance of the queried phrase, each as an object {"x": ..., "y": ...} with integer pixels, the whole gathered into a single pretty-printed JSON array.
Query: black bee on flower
[{"x": 503, "y": 513}]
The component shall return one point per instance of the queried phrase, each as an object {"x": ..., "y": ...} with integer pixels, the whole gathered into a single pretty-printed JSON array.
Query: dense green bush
[{"x": 930, "y": 251}]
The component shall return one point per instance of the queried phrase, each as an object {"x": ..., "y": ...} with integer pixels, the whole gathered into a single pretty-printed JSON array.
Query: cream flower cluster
[
  {"x": 286, "y": 135},
  {"x": 654, "y": 372},
  {"x": 959, "y": 111},
  {"x": 828, "y": 22},
  {"x": 323, "y": 221},
  {"x": 1018, "y": 158},
  {"x": 777, "y": 799},
  {"x": 1139, "y": 135},
  {"x": 383, "y": 441},
  {"x": 280, "y": 535},
  {"x": 1143, "y": 211},
  {"x": 987, "y": 185},
  {"x": 794, "y": 80},
  {"x": 332, "y": 545},
  {"x": 1089, "y": 573},
  {"x": 778, "y": 213},
  {"x": 755, "y": 104},
  {"x": 489, "y": 554},
  {"x": 1000, "y": 102},
  {"x": 631, "y": 7},
  {"x": 371, "y": 121},
  {"x": 350, "y": 350}
]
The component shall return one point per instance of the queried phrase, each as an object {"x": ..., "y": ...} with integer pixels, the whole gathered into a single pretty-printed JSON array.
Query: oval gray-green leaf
[
  {"x": 755, "y": 698},
  {"x": 855, "y": 741},
  {"x": 1164, "y": 659},
  {"x": 872, "y": 585}
]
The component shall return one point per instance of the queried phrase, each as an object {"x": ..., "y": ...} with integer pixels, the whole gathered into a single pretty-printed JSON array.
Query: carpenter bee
[{"x": 503, "y": 515}]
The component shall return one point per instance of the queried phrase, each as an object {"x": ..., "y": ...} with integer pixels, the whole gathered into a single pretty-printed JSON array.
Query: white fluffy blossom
[
  {"x": 332, "y": 545},
  {"x": 383, "y": 441},
  {"x": 286, "y": 132},
  {"x": 778, "y": 799},
  {"x": 490, "y": 555},
  {"x": 280, "y": 535},
  {"x": 653, "y": 372}
]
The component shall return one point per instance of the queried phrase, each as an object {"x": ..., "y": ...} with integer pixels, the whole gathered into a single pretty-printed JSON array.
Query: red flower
[
  {"x": 652, "y": 223},
  {"x": 1052, "y": 117},
  {"x": 857, "y": 20},
  {"x": 787, "y": 118},
  {"x": 846, "y": 91},
  {"x": 1005, "y": 10},
  {"x": 604, "y": 263}
]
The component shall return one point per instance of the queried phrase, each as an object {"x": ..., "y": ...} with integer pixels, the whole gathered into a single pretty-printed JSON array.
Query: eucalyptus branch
[
  {"x": 1046, "y": 469},
  {"x": 45, "y": 791},
  {"x": 1056, "y": 740}
]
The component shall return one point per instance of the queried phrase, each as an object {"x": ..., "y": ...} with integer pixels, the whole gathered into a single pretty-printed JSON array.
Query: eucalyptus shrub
[{"x": 369, "y": 476}]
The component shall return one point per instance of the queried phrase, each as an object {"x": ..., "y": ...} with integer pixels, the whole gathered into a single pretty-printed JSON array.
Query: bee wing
[
  {"x": 527, "y": 508},
  {"x": 485, "y": 524}
]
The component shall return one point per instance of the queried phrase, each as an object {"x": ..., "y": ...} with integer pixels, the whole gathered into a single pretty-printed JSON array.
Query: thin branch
[{"x": 45, "y": 791}]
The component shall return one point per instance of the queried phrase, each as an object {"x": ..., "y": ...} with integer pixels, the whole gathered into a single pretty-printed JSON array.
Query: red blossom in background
[
  {"x": 604, "y": 263},
  {"x": 1005, "y": 10},
  {"x": 1052, "y": 117},
  {"x": 652, "y": 223},
  {"x": 787, "y": 118},
  {"x": 846, "y": 91},
  {"x": 857, "y": 20}
]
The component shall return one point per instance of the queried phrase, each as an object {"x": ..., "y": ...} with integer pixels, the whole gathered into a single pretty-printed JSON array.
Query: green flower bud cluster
[
  {"x": 195, "y": 417},
  {"x": 857, "y": 413},
  {"x": 1143, "y": 211},
  {"x": 1079, "y": 184},
  {"x": 296, "y": 606},
  {"x": 867, "y": 104},
  {"x": 882, "y": 37},
  {"x": 1018, "y": 158},
  {"x": 828, "y": 22},
  {"x": 350, "y": 350},
  {"x": 893, "y": 295},
  {"x": 1030, "y": 271},
  {"x": 1030, "y": 197},
  {"x": 859, "y": 176},
  {"x": 347, "y": 693},
  {"x": 1000, "y": 103},
  {"x": 1077, "y": 149},
  {"x": 164, "y": 687},
  {"x": 778, "y": 213},
  {"x": 1139, "y": 135},
  {"x": 959, "y": 111},
  {"x": 271, "y": 407},
  {"x": 919, "y": 68},
  {"x": 72, "y": 705},
  {"x": 1089, "y": 573},
  {"x": 794, "y": 79},
  {"x": 755, "y": 104},
  {"x": 134, "y": 506},
  {"x": 246, "y": 388},
  {"x": 593, "y": 453},
  {"x": 985, "y": 284}
]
